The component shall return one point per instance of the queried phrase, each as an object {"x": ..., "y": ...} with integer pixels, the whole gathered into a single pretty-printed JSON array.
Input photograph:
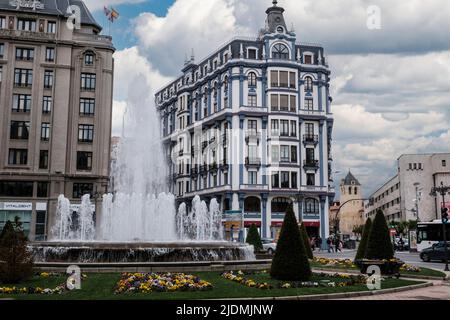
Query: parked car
[
  {"x": 436, "y": 252},
  {"x": 269, "y": 245}
]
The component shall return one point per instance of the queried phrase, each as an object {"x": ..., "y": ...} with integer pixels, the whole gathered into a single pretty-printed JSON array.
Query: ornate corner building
[
  {"x": 251, "y": 125},
  {"x": 56, "y": 87}
]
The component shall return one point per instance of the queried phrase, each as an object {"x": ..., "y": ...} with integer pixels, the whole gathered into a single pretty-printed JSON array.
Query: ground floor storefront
[{"x": 267, "y": 209}]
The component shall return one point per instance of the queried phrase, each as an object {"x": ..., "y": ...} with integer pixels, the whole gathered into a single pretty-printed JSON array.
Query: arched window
[
  {"x": 308, "y": 84},
  {"x": 356, "y": 190},
  {"x": 225, "y": 85},
  {"x": 252, "y": 204},
  {"x": 252, "y": 79},
  {"x": 280, "y": 51},
  {"x": 349, "y": 190},
  {"x": 89, "y": 58},
  {"x": 280, "y": 204},
  {"x": 215, "y": 90},
  {"x": 311, "y": 206}
]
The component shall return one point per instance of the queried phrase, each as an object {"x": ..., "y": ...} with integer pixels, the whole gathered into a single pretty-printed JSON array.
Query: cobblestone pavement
[{"x": 436, "y": 292}]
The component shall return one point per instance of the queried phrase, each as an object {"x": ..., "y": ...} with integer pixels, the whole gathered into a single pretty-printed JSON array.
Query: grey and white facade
[
  {"x": 56, "y": 87},
  {"x": 417, "y": 175},
  {"x": 251, "y": 125}
]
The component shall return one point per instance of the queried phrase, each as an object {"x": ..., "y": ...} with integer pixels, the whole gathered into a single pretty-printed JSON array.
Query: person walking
[
  {"x": 341, "y": 245},
  {"x": 312, "y": 243},
  {"x": 337, "y": 243},
  {"x": 330, "y": 245},
  {"x": 319, "y": 243}
]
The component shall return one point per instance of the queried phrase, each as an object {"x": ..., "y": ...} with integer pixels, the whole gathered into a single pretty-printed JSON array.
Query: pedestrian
[
  {"x": 312, "y": 243},
  {"x": 337, "y": 244},
  {"x": 330, "y": 245},
  {"x": 319, "y": 243}
]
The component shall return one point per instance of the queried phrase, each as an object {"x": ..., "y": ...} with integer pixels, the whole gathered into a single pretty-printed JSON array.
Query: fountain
[{"x": 140, "y": 222}]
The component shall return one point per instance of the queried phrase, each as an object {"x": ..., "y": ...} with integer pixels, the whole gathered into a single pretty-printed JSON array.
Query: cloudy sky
[{"x": 391, "y": 86}]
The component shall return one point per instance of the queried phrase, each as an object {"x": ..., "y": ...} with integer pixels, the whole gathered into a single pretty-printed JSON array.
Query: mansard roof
[{"x": 54, "y": 8}]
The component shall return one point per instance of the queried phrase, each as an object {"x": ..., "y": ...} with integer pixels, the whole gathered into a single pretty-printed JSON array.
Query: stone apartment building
[{"x": 56, "y": 86}]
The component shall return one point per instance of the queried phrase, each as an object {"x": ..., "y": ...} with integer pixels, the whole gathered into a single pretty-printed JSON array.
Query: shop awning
[{"x": 312, "y": 223}]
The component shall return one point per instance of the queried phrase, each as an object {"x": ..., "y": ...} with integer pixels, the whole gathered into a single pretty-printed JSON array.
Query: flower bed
[
  {"x": 410, "y": 268},
  {"x": 322, "y": 280},
  {"x": 39, "y": 290},
  {"x": 341, "y": 263},
  {"x": 160, "y": 282}
]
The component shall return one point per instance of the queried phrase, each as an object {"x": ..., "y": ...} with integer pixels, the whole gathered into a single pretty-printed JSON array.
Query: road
[{"x": 408, "y": 257}]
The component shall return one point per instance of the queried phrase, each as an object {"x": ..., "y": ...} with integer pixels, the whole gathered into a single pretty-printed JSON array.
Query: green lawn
[{"x": 101, "y": 286}]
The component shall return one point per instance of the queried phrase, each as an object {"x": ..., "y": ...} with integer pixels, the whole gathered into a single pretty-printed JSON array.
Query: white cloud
[
  {"x": 369, "y": 145},
  {"x": 189, "y": 24}
]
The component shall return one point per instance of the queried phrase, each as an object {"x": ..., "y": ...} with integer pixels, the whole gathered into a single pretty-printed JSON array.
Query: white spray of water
[
  {"x": 71, "y": 226},
  {"x": 141, "y": 209}
]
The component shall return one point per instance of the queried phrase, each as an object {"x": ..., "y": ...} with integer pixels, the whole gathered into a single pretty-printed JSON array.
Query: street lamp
[{"x": 442, "y": 190}]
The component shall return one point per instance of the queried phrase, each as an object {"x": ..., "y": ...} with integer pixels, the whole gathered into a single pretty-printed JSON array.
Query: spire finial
[{"x": 275, "y": 2}]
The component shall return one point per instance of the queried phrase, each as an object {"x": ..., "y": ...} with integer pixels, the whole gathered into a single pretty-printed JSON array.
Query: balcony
[
  {"x": 224, "y": 164},
  {"x": 105, "y": 40},
  {"x": 252, "y": 135},
  {"x": 22, "y": 34},
  {"x": 311, "y": 164},
  {"x": 203, "y": 169},
  {"x": 22, "y": 85},
  {"x": 257, "y": 187},
  {"x": 194, "y": 171},
  {"x": 253, "y": 162},
  {"x": 313, "y": 189},
  {"x": 213, "y": 167},
  {"x": 310, "y": 139}
]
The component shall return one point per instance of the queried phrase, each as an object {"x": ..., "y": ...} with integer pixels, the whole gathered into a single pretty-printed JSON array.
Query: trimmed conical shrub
[
  {"x": 379, "y": 245},
  {"x": 254, "y": 238},
  {"x": 290, "y": 262},
  {"x": 306, "y": 241},
  {"x": 16, "y": 261},
  {"x": 362, "y": 248}
]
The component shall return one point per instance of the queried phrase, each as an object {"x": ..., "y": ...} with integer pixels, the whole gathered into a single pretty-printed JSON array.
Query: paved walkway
[{"x": 439, "y": 291}]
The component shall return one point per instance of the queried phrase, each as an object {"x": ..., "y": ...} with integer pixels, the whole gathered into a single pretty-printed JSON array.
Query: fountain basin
[{"x": 134, "y": 252}]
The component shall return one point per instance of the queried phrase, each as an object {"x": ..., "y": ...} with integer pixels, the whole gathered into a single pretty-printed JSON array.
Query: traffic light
[{"x": 444, "y": 215}]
